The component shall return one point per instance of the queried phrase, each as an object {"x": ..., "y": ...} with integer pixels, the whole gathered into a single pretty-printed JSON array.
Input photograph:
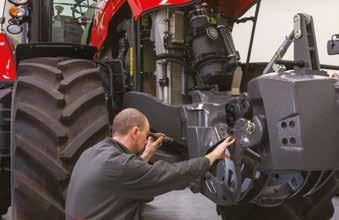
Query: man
[
  {"x": 58, "y": 24},
  {"x": 110, "y": 181}
]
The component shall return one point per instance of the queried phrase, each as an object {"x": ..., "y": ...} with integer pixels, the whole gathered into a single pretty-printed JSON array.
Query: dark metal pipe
[
  {"x": 167, "y": 140},
  {"x": 301, "y": 64},
  {"x": 139, "y": 61},
  {"x": 252, "y": 36},
  {"x": 280, "y": 53},
  {"x": 331, "y": 67}
]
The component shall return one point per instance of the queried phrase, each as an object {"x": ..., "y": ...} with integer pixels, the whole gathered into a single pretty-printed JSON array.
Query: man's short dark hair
[{"x": 126, "y": 120}]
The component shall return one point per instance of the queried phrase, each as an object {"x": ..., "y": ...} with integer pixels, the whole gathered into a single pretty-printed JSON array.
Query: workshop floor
[
  {"x": 181, "y": 205},
  {"x": 184, "y": 205}
]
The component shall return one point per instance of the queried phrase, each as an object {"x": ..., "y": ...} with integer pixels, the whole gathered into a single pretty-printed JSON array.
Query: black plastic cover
[{"x": 26, "y": 51}]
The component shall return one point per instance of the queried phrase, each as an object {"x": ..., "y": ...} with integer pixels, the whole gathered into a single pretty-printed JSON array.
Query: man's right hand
[
  {"x": 219, "y": 151},
  {"x": 152, "y": 146},
  {"x": 334, "y": 75}
]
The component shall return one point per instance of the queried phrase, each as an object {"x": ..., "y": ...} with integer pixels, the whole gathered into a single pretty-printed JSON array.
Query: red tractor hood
[
  {"x": 140, "y": 6},
  {"x": 108, "y": 8},
  {"x": 230, "y": 8},
  {"x": 235, "y": 8}
]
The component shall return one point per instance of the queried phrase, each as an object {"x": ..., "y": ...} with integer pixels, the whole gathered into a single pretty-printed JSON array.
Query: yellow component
[
  {"x": 144, "y": 21},
  {"x": 131, "y": 62},
  {"x": 278, "y": 56},
  {"x": 212, "y": 20},
  {"x": 13, "y": 11}
]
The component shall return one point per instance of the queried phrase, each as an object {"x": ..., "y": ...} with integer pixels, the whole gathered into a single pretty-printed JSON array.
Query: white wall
[
  {"x": 2, "y": 2},
  {"x": 276, "y": 21}
]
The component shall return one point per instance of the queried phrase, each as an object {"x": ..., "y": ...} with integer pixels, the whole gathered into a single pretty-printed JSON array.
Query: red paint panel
[
  {"x": 234, "y": 8},
  {"x": 140, "y": 6},
  {"x": 107, "y": 9},
  {"x": 7, "y": 61}
]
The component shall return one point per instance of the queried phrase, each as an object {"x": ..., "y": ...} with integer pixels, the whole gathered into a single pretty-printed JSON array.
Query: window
[{"x": 72, "y": 20}]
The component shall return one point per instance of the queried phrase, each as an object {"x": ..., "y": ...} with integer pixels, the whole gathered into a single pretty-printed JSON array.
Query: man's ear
[{"x": 134, "y": 132}]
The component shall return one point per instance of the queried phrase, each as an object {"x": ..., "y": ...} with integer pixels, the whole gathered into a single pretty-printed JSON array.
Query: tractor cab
[{"x": 71, "y": 21}]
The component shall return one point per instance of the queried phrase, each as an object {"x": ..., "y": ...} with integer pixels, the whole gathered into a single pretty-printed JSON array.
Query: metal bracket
[
  {"x": 333, "y": 45},
  {"x": 305, "y": 43},
  {"x": 297, "y": 26},
  {"x": 305, "y": 47}
]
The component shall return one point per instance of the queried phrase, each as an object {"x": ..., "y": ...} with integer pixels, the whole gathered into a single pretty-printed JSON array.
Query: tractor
[{"x": 79, "y": 62}]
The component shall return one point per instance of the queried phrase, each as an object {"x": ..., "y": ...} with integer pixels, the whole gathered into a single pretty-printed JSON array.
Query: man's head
[{"x": 131, "y": 128}]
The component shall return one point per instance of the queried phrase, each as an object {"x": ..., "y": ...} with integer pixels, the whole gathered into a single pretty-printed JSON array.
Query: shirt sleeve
[{"x": 139, "y": 180}]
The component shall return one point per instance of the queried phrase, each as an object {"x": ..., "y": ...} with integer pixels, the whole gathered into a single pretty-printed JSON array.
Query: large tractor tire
[
  {"x": 58, "y": 111},
  {"x": 317, "y": 206},
  {"x": 5, "y": 117}
]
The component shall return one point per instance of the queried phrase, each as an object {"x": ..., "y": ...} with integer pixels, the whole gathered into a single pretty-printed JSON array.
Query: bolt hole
[
  {"x": 292, "y": 140},
  {"x": 284, "y": 141},
  {"x": 292, "y": 124},
  {"x": 284, "y": 125}
]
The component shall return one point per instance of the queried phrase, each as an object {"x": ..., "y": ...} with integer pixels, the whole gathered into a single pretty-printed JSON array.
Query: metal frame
[{"x": 40, "y": 21}]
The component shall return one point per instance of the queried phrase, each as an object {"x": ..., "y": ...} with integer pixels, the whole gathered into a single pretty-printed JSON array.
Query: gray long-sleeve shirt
[{"x": 110, "y": 183}]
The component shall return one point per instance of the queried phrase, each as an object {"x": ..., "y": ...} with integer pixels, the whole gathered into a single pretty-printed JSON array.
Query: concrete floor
[
  {"x": 184, "y": 205},
  {"x": 181, "y": 205}
]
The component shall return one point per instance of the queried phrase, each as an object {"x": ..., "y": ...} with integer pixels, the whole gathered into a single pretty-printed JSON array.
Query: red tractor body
[
  {"x": 7, "y": 61},
  {"x": 175, "y": 61},
  {"x": 107, "y": 9}
]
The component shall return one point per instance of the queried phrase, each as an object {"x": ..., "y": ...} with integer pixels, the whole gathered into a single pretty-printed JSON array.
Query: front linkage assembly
[{"x": 280, "y": 125}]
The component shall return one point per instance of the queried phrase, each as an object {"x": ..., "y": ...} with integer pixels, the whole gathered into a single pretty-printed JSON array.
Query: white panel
[{"x": 276, "y": 21}]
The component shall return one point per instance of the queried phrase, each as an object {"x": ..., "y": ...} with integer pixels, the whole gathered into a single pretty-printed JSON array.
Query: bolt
[
  {"x": 250, "y": 127},
  {"x": 298, "y": 32},
  {"x": 222, "y": 131},
  {"x": 296, "y": 18}
]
